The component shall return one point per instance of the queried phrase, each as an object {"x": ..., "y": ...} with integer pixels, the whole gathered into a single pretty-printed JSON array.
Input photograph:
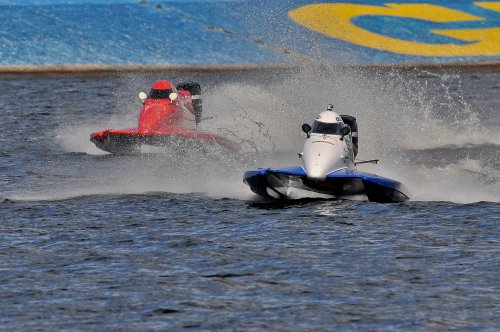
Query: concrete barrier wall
[{"x": 219, "y": 32}]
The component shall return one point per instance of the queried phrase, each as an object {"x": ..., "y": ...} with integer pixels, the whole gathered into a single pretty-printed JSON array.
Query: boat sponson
[
  {"x": 342, "y": 183},
  {"x": 125, "y": 142}
]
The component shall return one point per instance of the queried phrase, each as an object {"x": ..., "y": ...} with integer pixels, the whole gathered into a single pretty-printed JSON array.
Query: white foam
[
  {"x": 77, "y": 139},
  {"x": 395, "y": 113}
]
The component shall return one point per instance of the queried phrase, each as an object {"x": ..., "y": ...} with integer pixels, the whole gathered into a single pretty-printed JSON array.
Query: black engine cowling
[{"x": 195, "y": 90}]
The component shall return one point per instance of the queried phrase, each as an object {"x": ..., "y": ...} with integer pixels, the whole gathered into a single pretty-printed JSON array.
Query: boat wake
[{"x": 417, "y": 123}]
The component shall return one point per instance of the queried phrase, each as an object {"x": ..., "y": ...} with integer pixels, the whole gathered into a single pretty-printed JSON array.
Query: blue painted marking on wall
[
  {"x": 117, "y": 34},
  {"x": 204, "y": 32}
]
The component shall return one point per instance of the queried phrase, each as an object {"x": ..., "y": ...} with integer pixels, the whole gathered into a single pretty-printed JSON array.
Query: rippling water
[{"x": 172, "y": 242}]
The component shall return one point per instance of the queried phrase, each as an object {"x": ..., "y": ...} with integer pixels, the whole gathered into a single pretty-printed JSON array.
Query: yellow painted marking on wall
[
  {"x": 489, "y": 5},
  {"x": 334, "y": 20}
]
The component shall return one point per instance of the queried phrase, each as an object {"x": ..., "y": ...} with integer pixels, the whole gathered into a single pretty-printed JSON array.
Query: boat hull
[
  {"x": 292, "y": 183},
  {"x": 123, "y": 142}
]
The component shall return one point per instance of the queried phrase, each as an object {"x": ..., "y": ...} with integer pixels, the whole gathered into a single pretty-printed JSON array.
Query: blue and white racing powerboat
[{"x": 328, "y": 168}]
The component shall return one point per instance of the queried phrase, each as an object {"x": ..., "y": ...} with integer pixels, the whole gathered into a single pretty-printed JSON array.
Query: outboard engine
[
  {"x": 195, "y": 90},
  {"x": 351, "y": 122}
]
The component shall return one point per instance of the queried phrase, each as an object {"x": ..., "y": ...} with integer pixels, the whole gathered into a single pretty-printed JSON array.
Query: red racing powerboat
[{"x": 169, "y": 117}]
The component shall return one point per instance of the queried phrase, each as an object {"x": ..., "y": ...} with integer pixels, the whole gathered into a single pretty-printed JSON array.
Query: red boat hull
[
  {"x": 165, "y": 120},
  {"x": 130, "y": 141}
]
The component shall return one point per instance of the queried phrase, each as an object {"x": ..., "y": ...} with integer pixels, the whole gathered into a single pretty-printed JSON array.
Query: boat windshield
[
  {"x": 326, "y": 128},
  {"x": 160, "y": 94}
]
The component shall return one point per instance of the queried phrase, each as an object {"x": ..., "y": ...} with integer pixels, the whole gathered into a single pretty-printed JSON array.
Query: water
[{"x": 176, "y": 241}]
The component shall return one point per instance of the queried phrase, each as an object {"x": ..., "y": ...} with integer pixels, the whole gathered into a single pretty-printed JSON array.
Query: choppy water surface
[{"x": 176, "y": 241}]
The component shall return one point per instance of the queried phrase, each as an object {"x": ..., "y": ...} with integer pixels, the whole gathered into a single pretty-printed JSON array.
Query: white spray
[{"x": 399, "y": 116}]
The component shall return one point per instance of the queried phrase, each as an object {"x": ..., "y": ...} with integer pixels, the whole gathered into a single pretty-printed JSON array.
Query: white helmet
[
  {"x": 328, "y": 123},
  {"x": 329, "y": 117}
]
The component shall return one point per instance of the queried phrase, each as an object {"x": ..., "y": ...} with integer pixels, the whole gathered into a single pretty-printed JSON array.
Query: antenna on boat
[{"x": 372, "y": 161}]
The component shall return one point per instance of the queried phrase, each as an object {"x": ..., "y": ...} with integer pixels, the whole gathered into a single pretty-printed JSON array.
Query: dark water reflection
[{"x": 164, "y": 261}]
